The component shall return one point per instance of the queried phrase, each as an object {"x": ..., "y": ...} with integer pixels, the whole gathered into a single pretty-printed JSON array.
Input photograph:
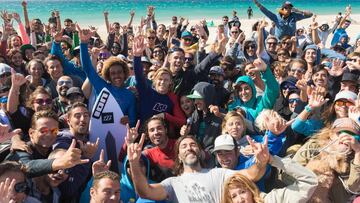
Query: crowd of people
[{"x": 269, "y": 117}]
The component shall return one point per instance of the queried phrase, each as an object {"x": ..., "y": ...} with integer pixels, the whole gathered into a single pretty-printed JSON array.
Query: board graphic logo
[
  {"x": 107, "y": 117},
  {"x": 101, "y": 104},
  {"x": 160, "y": 107}
]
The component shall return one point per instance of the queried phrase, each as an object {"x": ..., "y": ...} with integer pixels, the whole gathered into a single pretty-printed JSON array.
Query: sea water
[{"x": 90, "y": 12}]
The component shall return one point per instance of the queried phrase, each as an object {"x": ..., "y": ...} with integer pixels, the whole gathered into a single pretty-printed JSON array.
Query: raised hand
[
  {"x": 317, "y": 99},
  {"x": 240, "y": 38},
  {"x": 350, "y": 141},
  {"x": 132, "y": 13},
  {"x": 106, "y": 13},
  {"x": 7, "y": 191},
  {"x": 5, "y": 134},
  {"x": 16, "y": 16},
  {"x": 84, "y": 34},
  {"x": 17, "y": 79},
  {"x": 100, "y": 165},
  {"x": 134, "y": 150},
  {"x": 260, "y": 65},
  {"x": 301, "y": 84},
  {"x": 138, "y": 43},
  {"x": 276, "y": 125},
  {"x": 337, "y": 68},
  {"x": 132, "y": 133},
  {"x": 24, "y": 3},
  {"x": 261, "y": 151},
  {"x": 71, "y": 158},
  {"x": 57, "y": 36},
  {"x": 89, "y": 149},
  {"x": 185, "y": 130},
  {"x": 215, "y": 110}
]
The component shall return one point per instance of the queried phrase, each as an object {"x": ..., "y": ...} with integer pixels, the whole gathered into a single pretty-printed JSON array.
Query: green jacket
[{"x": 256, "y": 104}]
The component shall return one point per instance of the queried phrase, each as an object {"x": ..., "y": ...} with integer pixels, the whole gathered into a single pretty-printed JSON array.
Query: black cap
[
  {"x": 290, "y": 82},
  {"x": 287, "y": 4},
  {"x": 74, "y": 90},
  {"x": 350, "y": 77}
]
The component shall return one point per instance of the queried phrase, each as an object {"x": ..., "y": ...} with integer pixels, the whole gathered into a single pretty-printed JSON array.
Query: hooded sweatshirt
[
  {"x": 256, "y": 104},
  {"x": 318, "y": 52}
]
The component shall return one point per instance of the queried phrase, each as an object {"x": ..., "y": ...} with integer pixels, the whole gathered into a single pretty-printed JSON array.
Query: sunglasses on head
[
  {"x": 43, "y": 101},
  {"x": 21, "y": 187}
]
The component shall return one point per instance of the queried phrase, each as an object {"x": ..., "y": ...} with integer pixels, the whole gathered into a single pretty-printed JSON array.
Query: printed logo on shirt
[
  {"x": 99, "y": 107},
  {"x": 107, "y": 117},
  {"x": 198, "y": 193},
  {"x": 160, "y": 107}
]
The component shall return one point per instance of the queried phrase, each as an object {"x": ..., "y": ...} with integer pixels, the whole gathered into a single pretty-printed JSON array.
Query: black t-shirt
[{"x": 22, "y": 119}]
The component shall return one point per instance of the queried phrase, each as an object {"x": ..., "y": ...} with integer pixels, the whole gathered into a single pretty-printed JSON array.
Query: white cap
[{"x": 224, "y": 142}]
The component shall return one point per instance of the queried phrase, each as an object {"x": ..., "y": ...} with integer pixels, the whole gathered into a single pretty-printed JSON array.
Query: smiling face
[
  {"x": 176, "y": 61},
  {"x": 227, "y": 158},
  {"x": 78, "y": 120},
  {"x": 106, "y": 191},
  {"x": 235, "y": 126},
  {"x": 245, "y": 92},
  {"x": 189, "y": 152},
  {"x": 117, "y": 75},
  {"x": 342, "y": 108},
  {"x": 157, "y": 133},
  {"x": 320, "y": 78},
  {"x": 44, "y": 133},
  {"x": 17, "y": 197},
  {"x": 251, "y": 72},
  {"x": 55, "y": 69},
  {"x": 241, "y": 195},
  {"x": 162, "y": 83},
  {"x": 187, "y": 105},
  {"x": 17, "y": 59},
  {"x": 36, "y": 69},
  {"x": 310, "y": 56}
]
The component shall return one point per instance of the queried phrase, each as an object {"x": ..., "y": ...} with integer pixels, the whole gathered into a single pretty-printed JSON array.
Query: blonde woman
[{"x": 239, "y": 189}]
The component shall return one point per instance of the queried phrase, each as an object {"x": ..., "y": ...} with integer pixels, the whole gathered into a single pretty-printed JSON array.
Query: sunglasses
[
  {"x": 189, "y": 58},
  {"x": 290, "y": 87},
  {"x": 352, "y": 60},
  {"x": 43, "y": 101},
  {"x": 3, "y": 100},
  {"x": 282, "y": 54},
  {"x": 271, "y": 43},
  {"x": 151, "y": 38},
  {"x": 293, "y": 100},
  {"x": 343, "y": 103},
  {"x": 61, "y": 171},
  {"x": 251, "y": 46},
  {"x": 21, "y": 187},
  {"x": 64, "y": 82},
  {"x": 296, "y": 69},
  {"x": 287, "y": 43},
  {"x": 187, "y": 39},
  {"x": 46, "y": 131}
]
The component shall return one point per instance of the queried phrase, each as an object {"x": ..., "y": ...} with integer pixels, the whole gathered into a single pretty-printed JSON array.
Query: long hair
[
  {"x": 108, "y": 63},
  {"x": 240, "y": 181},
  {"x": 178, "y": 166}
]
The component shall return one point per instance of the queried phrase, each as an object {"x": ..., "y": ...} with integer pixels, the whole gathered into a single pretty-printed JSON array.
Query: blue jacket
[
  {"x": 336, "y": 38},
  {"x": 308, "y": 127},
  {"x": 275, "y": 143},
  {"x": 151, "y": 102},
  {"x": 69, "y": 67},
  {"x": 127, "y": 188},
  {"x": 123, "y": 96},
  {"x": 284, "y": 26}
]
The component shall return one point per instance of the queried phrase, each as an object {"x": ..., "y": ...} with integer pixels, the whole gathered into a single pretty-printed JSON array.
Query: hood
[
  {"x": 246, "y": 42},
  {"x": 126, "y": 185},
  {"x": 318, "y": 52},
  {"x": 207, "y": 92},
  {"x": 246, "y": 79}
]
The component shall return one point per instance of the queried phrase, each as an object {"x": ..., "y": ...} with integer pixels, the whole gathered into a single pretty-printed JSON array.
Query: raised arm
[
  {"x": 138, "y": 50},
  {"x": 24, "y": 36},
  {"x": 107, "y": 24},
  {"x": 261, "y": 30},
  {"x": 142, "y": 187},
  {"x": 58, "y": 21},
  {"x": 266, "y": 12},
  {"x": 17, "y": 80},
  {"x": 26, "y": 16},
  {"x": 132, "y": 14}
]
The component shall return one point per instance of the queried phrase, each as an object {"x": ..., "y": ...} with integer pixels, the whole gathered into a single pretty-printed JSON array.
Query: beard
[{"x": 191, "y": 161}]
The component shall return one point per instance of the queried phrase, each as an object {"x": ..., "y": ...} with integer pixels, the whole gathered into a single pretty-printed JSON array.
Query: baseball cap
[
  {"x": 224, "y": 142},
  {"x": 4, "y": 68},
  {"x": 350, "y": 77},
  {"x": 186, "y": 34},
  {"x": 346, "y": 124},
  {"x": 348, "y": 95},
  {"x": 195, "y": 95},
  {"x": 217, "y": 70},
  {"x": 289, "y": 83},
  {"x": 287, "y": 4},
  {"x": 74, "y": 90}
]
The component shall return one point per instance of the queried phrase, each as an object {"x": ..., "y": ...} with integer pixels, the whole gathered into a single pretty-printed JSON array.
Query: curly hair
[
  {"x": 240, "y": 181},
  {"x": 110, "y": 62}
]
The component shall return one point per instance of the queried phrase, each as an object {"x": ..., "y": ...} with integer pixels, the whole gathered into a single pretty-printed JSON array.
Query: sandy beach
[{"x": 246, "y": 25}]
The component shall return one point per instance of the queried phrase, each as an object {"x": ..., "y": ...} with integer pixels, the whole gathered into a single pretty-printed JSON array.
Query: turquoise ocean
[{"x": 89, "y": 12}]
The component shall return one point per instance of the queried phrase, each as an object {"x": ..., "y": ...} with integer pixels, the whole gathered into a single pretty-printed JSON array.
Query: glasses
[
  {"x": 282, "y": 54},
  {"x": 287, "y": 43},
  {"x": 189, "y": 58},
  {"x": 21, "y": 187},
  {"x": 234, "y": 32},
  {"x": 343, "y": 103},
  {"x": 3, "y": 100},
  {"x": 64, "y": 82},
  {"x": 352, "y": 60},
  {"x": 294, "y": 100},
  {"x": 151, "y": 38},
  {"x": 187, "y": 39},
  {"x": 271, "y": 43},
  {"x": 294, "y": 70},
  {"x": 43, "y": 101},
  {"x": 251, "y": 46},
  {"x": 290, "y": 87},
  {"x": 46, "y": 131},
  {"x": 61, "y": 171}
]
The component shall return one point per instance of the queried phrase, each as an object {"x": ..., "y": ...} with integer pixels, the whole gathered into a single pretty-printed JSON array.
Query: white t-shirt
[{"x": 205, "y": 186}]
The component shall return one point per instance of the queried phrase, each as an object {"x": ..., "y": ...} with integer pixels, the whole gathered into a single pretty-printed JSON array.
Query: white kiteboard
[{"x": 105, "y": 124}]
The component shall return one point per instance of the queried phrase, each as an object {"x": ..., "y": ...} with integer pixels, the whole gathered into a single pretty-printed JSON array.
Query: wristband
[{"x": 308, "y": 109}]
